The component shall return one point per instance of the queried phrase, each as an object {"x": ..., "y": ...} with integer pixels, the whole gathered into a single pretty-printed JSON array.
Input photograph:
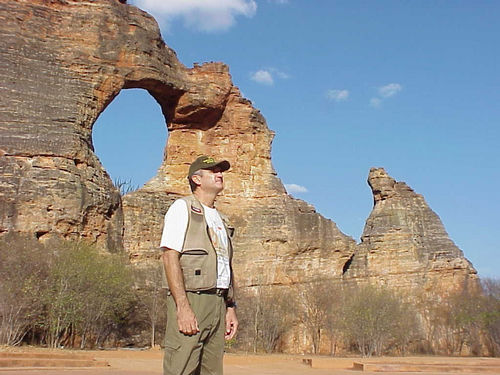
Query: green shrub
[
  {"x": 61, "y": 291},
  {"x": 87, "y": 294}
]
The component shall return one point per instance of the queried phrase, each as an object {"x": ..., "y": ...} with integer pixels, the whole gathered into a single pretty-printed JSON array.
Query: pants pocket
[{"x": 169, "y": 363}]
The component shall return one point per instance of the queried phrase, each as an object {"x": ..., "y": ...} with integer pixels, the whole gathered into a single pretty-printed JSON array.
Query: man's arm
[{"x": 186, "y": 320}]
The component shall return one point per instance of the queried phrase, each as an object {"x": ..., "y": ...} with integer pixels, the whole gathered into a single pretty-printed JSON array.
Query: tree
[
  {"x": 23, "y": 271},
  {"x": 372, "y": 317},
  {"x": 317, "y": 299},
  {"x": 87, "y": 294},
  {"x": 491, "y": 315},
  {"x": 335, "y": 316},
  {"x": 407, "y": 329},
  {"x": 458, "y": 322},
  {"x": 124, "y": 186},
  {"x": 151, "y": 297},
  {"x": 267, "y": 314},
  {"x": 276, "y": 312}
]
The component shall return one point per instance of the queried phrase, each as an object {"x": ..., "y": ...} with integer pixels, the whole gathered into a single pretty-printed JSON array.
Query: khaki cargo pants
[{"x": 201, "y": 353}]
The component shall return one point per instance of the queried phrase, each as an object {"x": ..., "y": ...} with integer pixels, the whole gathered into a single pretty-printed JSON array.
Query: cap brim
[{"x": 223, "y": 165}]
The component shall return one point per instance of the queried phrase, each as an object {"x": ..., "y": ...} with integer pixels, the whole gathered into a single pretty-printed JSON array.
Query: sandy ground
[{"x": 133, "y": 362}]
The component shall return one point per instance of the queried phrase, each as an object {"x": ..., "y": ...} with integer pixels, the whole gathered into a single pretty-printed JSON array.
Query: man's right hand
[{"x": 186, "y": 320}]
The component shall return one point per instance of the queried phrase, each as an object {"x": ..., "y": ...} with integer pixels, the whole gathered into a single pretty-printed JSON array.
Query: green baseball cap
[{"x": 207, "y": 162}]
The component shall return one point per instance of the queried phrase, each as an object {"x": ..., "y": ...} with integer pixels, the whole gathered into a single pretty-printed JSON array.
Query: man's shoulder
[
  {"x": 178, "y": 205},
  {"x": 187, "y": 198},
  {"x": 193, "y": 202}
]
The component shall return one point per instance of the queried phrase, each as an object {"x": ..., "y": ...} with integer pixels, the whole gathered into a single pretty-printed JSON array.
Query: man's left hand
[{"x": 231, "y": 323}]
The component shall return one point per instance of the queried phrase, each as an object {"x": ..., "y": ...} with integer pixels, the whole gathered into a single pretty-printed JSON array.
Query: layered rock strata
[
  {"x": 404, "y": 244},
  {"x": 62, "y": 63}
]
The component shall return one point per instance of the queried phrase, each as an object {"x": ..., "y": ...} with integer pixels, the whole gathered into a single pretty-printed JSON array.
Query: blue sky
[{"x": 411, "y": 86}]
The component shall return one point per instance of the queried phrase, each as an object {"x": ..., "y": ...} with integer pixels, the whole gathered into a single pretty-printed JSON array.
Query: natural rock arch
[
  {"x": 79, "y": 55},
  {"x": 130, "y": 138}
]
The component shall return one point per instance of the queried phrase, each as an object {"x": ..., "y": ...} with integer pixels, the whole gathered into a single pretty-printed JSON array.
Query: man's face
[{"x": 210, "y": 180}]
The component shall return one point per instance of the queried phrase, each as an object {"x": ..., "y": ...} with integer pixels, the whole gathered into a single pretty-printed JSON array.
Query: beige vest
[{"x": 198, "y": 257}]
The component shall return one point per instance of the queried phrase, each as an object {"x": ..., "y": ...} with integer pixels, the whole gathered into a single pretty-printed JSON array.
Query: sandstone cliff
[
  {"x": 62, "y": 63},
  {"x": 404, "y": 244}
]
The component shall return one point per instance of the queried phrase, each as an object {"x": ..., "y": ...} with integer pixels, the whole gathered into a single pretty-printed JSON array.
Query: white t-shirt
[{"x": 174, "y": 232}]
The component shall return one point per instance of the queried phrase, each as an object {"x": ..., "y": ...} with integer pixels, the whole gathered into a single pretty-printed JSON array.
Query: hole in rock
[
  {"x": 129, "y": 138},
  {"x": 347, "y": 265},
  {"x": 40, "y": 234}
]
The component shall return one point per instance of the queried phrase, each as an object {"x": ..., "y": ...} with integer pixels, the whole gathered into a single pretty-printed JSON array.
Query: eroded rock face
[
  {"x": 62, "y": 63},
  {"x": 404, "y": 244}
]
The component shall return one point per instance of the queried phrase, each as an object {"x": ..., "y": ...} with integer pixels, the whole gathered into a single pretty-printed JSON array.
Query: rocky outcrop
[
  {"x": 62, "y": 63},
  {"x": 404, "y": 244}
]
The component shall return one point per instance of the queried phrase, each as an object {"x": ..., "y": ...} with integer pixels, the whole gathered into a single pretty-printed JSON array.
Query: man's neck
[{"x": 205, "y": 198}]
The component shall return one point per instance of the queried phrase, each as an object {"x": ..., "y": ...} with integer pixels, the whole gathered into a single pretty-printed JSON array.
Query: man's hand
[
  {"x": 186, "y": 320},
  {"x": 231, "y": 323}
]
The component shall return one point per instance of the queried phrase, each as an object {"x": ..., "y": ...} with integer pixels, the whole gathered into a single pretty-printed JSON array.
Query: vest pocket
[{"x": 195, "y": 270}]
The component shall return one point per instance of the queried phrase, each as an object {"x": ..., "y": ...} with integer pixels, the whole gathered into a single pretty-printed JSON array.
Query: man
[{"x": 197, "y": 254}]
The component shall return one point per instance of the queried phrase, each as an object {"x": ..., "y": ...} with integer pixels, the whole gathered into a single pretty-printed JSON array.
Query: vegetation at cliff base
[
  {"x": 370, "y": 320},
  {"x": 72, "y": 294},
  {"x": 68, "y": 294}
]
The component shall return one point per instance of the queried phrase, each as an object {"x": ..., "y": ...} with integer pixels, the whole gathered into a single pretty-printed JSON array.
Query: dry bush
[
  {"x": 465, "y": 318},
  {"x": 491, "y": 317},
  {"x": 23, "y": 274},
  {"x": 61, "y": 292},
  {"x": 266, "y": 315},
  {"x": 374, "y": 319},
  {"x": 407, "y": 330},
  {"x": 319, "y": 311},
  {"x": 88, "y": 295},
  {"x": 151, "y": 300},
  {"x": 335, "y": 316},
  {"x": 464, "y": 321}
]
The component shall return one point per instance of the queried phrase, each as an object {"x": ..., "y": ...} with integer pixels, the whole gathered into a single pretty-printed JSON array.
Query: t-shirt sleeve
[{"x": 175, "y": 225}]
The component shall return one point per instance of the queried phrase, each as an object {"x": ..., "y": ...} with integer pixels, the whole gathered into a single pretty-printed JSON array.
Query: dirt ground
[{"x": 135, "y": 362}]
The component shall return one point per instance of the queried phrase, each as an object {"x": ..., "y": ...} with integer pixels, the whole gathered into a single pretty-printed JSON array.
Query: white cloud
[
  {"x": 267, "y": 76},
  {"x": 202, "y": 15},
  {"x": 294, "y": 188},
  {"x": 385, "y": 92},
  {"x": 337, "y": 95},
  {"x": 281, "y": 74},
  {"x": 263, "y": 76},
  {"x": 389, "y": 90},
  {"x": 375, "y": 102}
]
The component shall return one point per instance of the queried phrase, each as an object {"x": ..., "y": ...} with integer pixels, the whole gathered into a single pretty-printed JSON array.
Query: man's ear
[{"x": 196, "y": 179}]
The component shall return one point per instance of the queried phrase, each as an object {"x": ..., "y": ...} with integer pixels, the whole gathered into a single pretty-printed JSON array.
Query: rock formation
[
  {"x": 404, "y": 244},
  {"x": 62, "y": 63}
]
